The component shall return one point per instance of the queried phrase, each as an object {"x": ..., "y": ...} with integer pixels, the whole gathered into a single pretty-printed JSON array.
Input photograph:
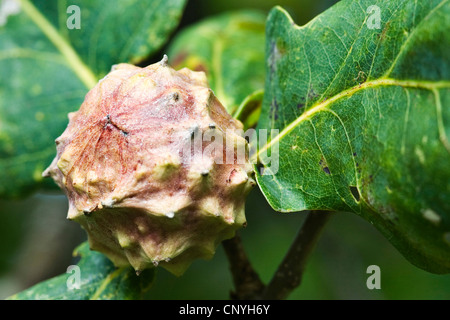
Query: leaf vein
[
  {"x": 429, "y": 85},
  {"x": 79, "y": 68}
]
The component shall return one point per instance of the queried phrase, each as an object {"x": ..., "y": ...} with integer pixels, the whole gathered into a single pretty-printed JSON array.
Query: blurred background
[{"x": 36, "y": 240}]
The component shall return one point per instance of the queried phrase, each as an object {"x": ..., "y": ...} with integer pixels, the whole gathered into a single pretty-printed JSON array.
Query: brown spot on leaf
[
  {"x": 201, "y": 67},
  {"x": 324, "y": 165},
  {"x": 179, "y": 59},
  {"x": 382, "y": 36},
  {"x": 312, "y": 94},
  {"x": 274, "y": 109}
]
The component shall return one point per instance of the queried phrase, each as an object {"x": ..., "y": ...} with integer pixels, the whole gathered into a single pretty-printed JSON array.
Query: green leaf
[
  {"x": 230, "y": 49},
  {"x": 250, "y": 109},
  {"x": 100, "y": 280},
  {"x": 47, "y": 69},
  {"x": 364, "y": 120}
]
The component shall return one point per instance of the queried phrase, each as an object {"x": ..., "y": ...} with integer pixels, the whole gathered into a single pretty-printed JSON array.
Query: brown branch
[
  {"x": 289, "y": 273},
  {"x": 246, "y": 281}
]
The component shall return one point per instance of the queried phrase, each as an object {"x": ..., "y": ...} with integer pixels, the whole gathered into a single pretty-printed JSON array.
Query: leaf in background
[
  {"x": 46, "y": 69},
  {"x": 250, "y": 109},
  {"x": 230, "y": 49},
  {"x": 100, "y": 280},
  {"x": 364, "y": 120}
]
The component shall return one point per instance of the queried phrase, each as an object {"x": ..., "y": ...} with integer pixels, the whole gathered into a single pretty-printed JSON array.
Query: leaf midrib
[
  {"x": 428, "y": 85},
  {"x": 74, "y": 61}
]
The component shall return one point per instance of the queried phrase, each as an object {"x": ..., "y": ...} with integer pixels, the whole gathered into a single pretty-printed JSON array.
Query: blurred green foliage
[{"x": 229, "y": 48}]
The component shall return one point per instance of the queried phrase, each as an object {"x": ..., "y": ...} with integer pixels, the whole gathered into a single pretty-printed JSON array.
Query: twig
[
  {"x": 289, "y": 273},
  {"x": 246, "y": 281}
]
